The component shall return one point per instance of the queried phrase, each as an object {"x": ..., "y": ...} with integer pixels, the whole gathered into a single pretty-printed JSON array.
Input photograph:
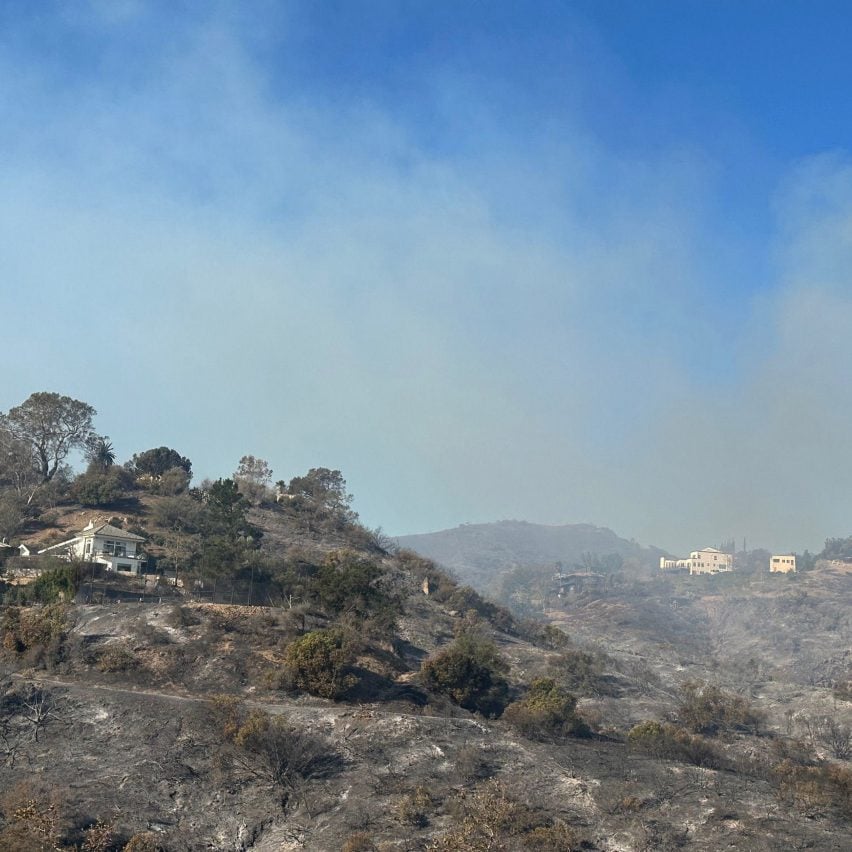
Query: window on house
[{"x": 114, "y": 548}]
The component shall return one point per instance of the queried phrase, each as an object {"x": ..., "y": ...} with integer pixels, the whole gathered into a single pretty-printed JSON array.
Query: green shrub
[
  {"x": 549, "y": 636},
  {"x": 318, "y": 661},
  {"x": 94, "y": 488},
  {"x": 58, "y": 581},
  {"x": 58, "y": 584},
  {"x": 470, "y": 672},
  {"x": 464, "y": 599},
  {"x": 346, "y": 582},
  {"x": 546, "y": 712}
]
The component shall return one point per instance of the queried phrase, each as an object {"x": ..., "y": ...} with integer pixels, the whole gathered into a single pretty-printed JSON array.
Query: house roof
[{"x": 112, "y": 532}]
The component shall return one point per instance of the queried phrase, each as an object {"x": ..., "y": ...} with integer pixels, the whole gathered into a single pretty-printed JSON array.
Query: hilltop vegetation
[
  {"x": 355, "y": 696},
  {"x": 495, "y": 558}
]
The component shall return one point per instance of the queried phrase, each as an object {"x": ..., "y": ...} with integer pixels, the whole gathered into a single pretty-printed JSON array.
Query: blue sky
[{"x": 563, "y": 262}]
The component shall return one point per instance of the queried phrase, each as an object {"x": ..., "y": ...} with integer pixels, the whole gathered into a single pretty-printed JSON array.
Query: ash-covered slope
[{"x": 311, "y": 723}]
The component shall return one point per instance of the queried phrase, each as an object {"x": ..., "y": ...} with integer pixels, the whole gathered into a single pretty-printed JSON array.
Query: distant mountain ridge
[{"x": 479, "y": 553}]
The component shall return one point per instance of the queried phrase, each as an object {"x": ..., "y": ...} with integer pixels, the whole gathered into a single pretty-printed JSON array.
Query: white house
[
  {"x": 673, "y": 564},
  {"x": 107, "y": 545}
]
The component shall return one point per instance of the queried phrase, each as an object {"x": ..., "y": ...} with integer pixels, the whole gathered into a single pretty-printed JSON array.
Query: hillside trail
[{"x": 273, "y": 707}]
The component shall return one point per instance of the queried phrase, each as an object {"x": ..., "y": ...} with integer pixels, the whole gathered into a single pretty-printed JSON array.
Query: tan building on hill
[
  {"x": 785, "y": 563},
  {"x": 708, "y": 560},
  {"x": 705, "y": 561}
]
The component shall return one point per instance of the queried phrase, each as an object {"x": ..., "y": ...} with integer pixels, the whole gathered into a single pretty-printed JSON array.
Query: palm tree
[{"x": 100, "y": 453}]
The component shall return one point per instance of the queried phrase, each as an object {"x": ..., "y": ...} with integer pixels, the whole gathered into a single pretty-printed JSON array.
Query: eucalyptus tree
[{"x": 47, "y": 427}]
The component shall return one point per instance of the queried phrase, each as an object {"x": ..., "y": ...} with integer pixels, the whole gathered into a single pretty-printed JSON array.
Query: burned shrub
[
  {"x": 269, "y": 748},
  {"x": 707, "y": 709},
  {"x": 360, "y": 841},
  {"x": 414, "y": 809},
  {"x": 145, "y": 841},
  {"x": 669, "y": 742},
  {"x": 814, "y": 789},
  {"x": 472, "y": 764},
  {"x": 36, "y": 818},
  {"x": 490, "y": 819},
  {"x": 117, "y": 657},
  {"x": 34, "y": 632},
  {"x": 582, "y": 672}
]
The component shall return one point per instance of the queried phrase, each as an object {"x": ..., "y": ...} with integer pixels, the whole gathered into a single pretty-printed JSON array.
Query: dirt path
[{"x": 274, "y": 707}]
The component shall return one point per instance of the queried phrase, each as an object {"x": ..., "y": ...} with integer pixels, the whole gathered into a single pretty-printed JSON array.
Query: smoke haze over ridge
[{"x": 487, "y": 266}]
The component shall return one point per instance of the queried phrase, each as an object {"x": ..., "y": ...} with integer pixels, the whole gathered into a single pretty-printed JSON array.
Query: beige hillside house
[
  {"x": 105, "y": 544},
  {"x": 784, "y": 563},
  {"x": 708, "y": 560}
]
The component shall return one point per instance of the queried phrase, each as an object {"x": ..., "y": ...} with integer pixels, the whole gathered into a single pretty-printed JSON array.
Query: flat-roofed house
[
  {"x": 784, "y": 563},
  {"x": 673, "y": 564},
  {"x": 705, "y": 561},
  {"x": 708, "y": 560}
]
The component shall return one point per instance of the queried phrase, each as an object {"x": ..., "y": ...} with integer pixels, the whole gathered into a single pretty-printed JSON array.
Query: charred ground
[{"x": 658, "y": 717}]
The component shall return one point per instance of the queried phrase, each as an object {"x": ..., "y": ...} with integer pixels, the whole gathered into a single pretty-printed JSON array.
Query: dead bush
[
  {"x": 414, "y": 809},
  {"x": 181, "y": 617},
  {"x": 472, "y": 764},
  {"x": 843, "y": 690},
  {"x": 360, "y": 841},
  {"x": 581, "y": 672},
  {"x": 35, "y": 819},
  {"x": 490, "y": 819},
  {"x": 117, "y": 657},
  {"x": 33, "y": 630},
  {"x": 98, "y": 837},
  {"x": 815, "y": 789},
  {"x": 145, "y": 841},
  {"x": 707, "y": 709},
  {"x": 835, "y": 736},
  {"x": 615, "y": 798},
  {"x": 272, "y": 750}
]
